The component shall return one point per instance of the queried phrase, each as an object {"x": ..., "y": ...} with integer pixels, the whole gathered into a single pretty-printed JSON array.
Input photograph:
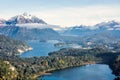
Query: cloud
[
  {"x": 40, "y": 26},
  {"x": 70, "y": 16}
]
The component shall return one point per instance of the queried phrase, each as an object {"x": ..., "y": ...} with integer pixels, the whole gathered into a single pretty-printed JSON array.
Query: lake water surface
[
  {"x": 40, "y": 49},
  {"x": 88, "y": 72},
  {"x": 43, "y": 48}
]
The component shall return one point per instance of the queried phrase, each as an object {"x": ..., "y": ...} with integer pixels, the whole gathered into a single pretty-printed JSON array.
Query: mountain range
[
  {"x": 78, "y": 30},
  {"x": 28, "y": 27},
  {"x": 102, "y": 32}
]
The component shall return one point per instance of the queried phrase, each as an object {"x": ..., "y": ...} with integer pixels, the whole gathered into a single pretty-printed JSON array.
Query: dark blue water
[
  {"x": 89, "y": 72},
  {"x": 40, "y": 49}
]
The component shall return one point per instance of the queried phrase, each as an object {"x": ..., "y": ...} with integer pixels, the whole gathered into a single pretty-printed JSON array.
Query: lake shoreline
[
  {"x": 50, "y": 74},
  {"x": 47, "y": 73},
  {"x": 50, "y": 71}
]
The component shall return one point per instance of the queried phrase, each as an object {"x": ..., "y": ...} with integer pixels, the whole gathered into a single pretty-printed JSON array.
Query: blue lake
[
  {"x": 40, "y": 49},
  {"x": 88, "y": 72}
]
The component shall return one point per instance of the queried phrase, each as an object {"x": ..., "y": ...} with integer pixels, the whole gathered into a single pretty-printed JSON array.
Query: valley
[{"x": 32, "y": 48}]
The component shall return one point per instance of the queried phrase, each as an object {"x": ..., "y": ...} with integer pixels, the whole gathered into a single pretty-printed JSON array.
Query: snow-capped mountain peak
[
  {"x": 28, "y": 21},
  {"x": 25, "y": 18},
  {"x": 107, "y": 24},
  {"x": 110, "y": 25},
  {"x": 101, "y": 27}
]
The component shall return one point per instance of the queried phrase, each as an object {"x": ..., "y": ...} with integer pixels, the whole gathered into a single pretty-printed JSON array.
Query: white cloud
[
  {"x": 80, "y": 15},
  {"x": 70, "y": 16},
  {"x": 40, "y": 26}
]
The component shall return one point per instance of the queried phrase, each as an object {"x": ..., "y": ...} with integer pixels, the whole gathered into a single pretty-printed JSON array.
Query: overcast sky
[{"x": 64, "y": 12}]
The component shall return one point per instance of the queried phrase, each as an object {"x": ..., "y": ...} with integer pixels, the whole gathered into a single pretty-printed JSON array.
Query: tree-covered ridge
[
  {"x": 12, "y": 47},
  {"x": 31, "y": 68},
  {"x": 104, "y": 55},
  {"x": 79, "y": 52}
]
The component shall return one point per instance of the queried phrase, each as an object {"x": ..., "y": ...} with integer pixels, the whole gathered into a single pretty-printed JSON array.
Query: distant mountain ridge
[
  {"x": 77, "y": 30},
  {"x": 110, "y": 25},
  {"x": 103, "y": 25},
  {"x": 102, "y": 32}
]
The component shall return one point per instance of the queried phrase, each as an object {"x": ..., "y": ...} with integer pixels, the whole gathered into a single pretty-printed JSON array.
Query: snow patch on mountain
[
  {"x": 28, "y": 21},
  {"x": 23, "y": 19},
  {"x": 110, "y": 25},
  {"x": 27, "y": 16}
]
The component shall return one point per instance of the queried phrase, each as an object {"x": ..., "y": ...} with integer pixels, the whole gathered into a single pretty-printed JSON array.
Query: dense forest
[
  {"x": 28, "y": 68},
  {"x": 31, "y": 68}
]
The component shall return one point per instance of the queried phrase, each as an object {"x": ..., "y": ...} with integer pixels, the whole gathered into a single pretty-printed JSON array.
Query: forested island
[{"x": 13, "y": 67}]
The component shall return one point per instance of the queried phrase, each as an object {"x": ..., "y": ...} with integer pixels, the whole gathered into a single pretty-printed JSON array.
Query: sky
[{"x": 64, "y": 12}]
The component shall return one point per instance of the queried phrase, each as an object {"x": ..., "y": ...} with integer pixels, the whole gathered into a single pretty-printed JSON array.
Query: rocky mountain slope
[
  {"x": 28, "y": 27},
  {"x": 24, "y": 33}
]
